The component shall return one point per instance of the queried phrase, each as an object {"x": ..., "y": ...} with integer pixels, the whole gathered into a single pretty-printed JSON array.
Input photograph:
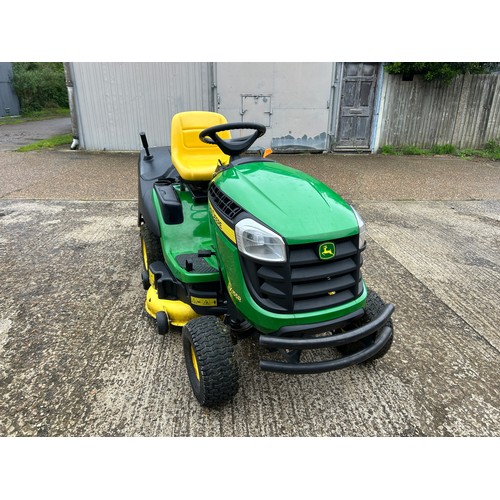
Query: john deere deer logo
[{"x": 327, "y": 250}]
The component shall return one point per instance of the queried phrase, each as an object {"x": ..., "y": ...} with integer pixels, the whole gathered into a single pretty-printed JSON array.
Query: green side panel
[
  {"x": 263, "y": 320},
  {"x": 186, "y": 238},
  {"x": 297, "y": 206}
]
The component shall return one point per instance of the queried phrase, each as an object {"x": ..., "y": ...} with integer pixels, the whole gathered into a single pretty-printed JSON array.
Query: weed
[
  {"x": 493, "y": 145},
  {"x": 467, "y": 152},
  {"x": 388, "y": 150},
  {"x": 491, "y": 150},
  {"x": 412, "y": 150},
  {"x": 444, "y": 149},
  {"x": 57, "y": 140}
]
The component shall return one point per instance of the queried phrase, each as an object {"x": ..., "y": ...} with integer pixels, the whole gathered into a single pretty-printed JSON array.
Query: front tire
[
  {"x": 374, "y": 306},
  {"x": 210, "y": 363}
]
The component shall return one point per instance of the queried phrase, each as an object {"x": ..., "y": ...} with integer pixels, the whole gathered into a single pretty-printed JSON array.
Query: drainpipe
[
  {"x": 72, "y": 107},
  {"x": 212, "y": 71},
  {"x": 379, "y": 109}
]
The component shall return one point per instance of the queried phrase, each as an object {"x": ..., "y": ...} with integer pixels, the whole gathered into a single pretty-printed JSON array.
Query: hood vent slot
[{"x": 223, "y": 203}]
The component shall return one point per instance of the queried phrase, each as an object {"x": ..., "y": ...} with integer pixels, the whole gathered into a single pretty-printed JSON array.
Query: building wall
[
  {"x": 117, "y": 101},
  {"x": 465, "y": 113},
  {"x": 299, "y": 102},
  {"x": 291, "y": 98},
  {"x": 9, "y": 103}
]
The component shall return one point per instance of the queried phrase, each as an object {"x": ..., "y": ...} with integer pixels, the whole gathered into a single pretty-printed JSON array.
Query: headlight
[
  {"x": 362, "y": 229},
  {"x": 259, "y": 242}
]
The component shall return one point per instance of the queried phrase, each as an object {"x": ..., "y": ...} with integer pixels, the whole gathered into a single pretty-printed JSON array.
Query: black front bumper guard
[{"x": 281, "y": 340}]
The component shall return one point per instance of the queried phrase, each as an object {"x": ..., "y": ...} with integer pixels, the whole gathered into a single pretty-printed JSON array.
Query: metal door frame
[{"x": 336, "y": 91}]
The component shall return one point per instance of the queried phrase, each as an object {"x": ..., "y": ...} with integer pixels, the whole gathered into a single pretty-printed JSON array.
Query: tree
[
  {"x": 40, "y": 85},
  {"x": 440, "y": 71}
]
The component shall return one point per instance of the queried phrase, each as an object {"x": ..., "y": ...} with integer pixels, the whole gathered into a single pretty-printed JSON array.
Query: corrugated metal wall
[
  {"x": 9, "y": 103},
  {"x": 116, "y": 101},
  {"x": 465, "y": 113}
]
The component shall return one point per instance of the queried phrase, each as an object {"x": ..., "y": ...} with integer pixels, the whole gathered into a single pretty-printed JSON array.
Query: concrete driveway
[{"x": 79, "y": 357}]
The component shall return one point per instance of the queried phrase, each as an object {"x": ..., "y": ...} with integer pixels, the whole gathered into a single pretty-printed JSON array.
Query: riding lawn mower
[{"x": 236, "y": 245}]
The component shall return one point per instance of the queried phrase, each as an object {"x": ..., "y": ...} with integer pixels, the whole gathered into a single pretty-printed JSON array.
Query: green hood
[{"x": 295, "y": 205}]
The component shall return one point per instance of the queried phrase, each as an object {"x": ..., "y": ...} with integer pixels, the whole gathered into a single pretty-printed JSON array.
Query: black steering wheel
[{"x": 233, "y": 147}]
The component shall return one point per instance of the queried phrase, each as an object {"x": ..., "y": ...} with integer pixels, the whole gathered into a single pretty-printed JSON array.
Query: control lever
[
  {"x": 145, "y": 145},
  {"x": 205, "y": 253}
]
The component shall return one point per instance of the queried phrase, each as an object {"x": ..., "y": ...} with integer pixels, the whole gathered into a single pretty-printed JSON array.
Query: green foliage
[
  {"x": 444, "y": 149},
  {"x": 467, "y": 152},
  {"x": 404, "y": 150},
  {"x": 388, "y": 150},
  {"x": 491, "y": 150},
  {"x": 412, "y": 150},
  {"x": 493, "y": 145},
  {"x": 57, "y": 140},
  {"x": 40, "y": 85},
  {"x": 481, "y": 153},
  {"x": 441, "y": 71}
]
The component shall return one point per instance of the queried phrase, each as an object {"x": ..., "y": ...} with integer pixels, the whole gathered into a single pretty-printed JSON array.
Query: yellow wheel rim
[
  {"x": 195, "y": 363},
  {"x": 144, "y": 254}
]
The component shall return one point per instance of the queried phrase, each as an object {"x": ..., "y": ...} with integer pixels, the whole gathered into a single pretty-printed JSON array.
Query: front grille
[
  {"x": 305, "y": 282},
  {"x": 223, "y": 203}
]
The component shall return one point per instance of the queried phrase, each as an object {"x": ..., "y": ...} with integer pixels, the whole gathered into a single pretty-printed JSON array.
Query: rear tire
[
  {"x": 373, "y": 308},
  {"x": 210, "y": 363},
  {"x": 150, "y": 247},
  {"x": 145, "y": 280}
]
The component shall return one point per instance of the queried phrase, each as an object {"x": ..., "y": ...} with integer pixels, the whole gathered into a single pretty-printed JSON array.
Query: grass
[
  {"x": 45, "y": 114},
  {"x": 405, "y": 150},
  {"x": 412, "y": 150},
  {"x": 57, "y": 140},
  {"x": 481, "y": 153},
  {"x": 444, "y": 149},
  {"x": 491, "y": 150}
]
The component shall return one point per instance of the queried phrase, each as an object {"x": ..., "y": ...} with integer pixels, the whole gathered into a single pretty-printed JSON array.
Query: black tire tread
[
  {"x": 153, "y": 245},
  {"x": 215, "y": 357}
]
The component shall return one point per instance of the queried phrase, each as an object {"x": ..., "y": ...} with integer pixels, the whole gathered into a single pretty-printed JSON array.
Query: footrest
[{"x": 195, "y": 264}]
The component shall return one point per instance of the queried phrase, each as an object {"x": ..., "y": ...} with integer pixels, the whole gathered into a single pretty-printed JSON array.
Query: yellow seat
[{"x": 194, "y": 159}]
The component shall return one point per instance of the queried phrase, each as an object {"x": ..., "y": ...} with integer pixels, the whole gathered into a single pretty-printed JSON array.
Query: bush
[
  {"x": 467, "y": 152},
  {"x": 40, "y": 85},
  {"x": 493, "y": 145}
]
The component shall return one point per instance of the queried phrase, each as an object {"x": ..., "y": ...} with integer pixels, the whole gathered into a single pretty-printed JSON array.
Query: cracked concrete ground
[{"x": 79, "y": 356}]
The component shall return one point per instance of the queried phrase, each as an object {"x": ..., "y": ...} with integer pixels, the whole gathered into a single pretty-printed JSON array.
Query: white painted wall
[{"x": 296, "y": 94}]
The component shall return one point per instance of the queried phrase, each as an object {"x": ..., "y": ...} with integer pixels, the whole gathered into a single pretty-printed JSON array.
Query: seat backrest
[{"x": 194, "y": 159}]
